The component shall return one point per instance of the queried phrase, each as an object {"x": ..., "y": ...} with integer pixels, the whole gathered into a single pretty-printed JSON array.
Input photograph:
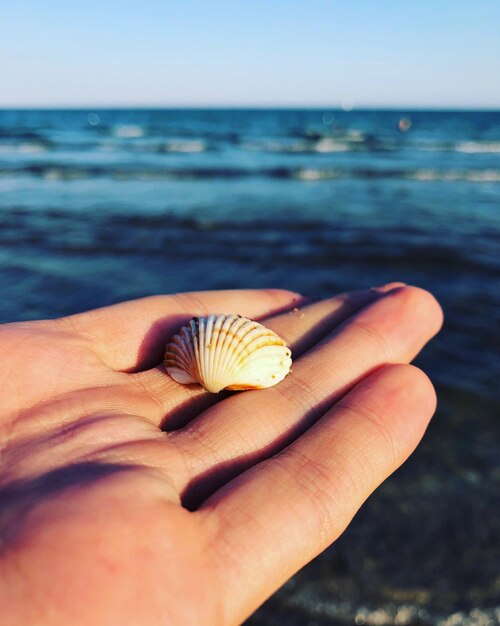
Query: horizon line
[{"x": 292, "y": 107}]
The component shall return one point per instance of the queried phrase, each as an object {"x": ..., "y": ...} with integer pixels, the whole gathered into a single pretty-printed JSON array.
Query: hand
[{"x": 105, "y": 518}]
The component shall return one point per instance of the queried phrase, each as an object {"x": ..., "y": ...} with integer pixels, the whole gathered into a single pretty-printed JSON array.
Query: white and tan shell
[{"x": 227, "y": 352}]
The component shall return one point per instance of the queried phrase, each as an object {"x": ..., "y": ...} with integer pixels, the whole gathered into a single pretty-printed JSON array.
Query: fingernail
[{"x": 388, "y": 287}]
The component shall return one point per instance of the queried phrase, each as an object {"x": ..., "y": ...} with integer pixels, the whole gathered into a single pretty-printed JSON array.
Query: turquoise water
[{"x": 98, "y": 206}]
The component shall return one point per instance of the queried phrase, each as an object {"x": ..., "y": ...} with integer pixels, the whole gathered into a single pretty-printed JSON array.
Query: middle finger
[{"x": 248, "y": 427}]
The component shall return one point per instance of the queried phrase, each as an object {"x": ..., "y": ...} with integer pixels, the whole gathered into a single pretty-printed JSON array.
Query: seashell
[{"x": 227, "y": 352}]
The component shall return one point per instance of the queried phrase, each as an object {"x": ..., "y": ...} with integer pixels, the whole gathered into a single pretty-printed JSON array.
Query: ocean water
[{"x": 98, "y": 206}]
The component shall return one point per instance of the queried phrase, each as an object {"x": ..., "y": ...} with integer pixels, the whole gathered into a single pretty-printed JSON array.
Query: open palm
[{"x": 126, "y": 498}]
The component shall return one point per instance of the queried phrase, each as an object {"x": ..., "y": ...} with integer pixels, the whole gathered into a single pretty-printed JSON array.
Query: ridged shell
[{"x": 227, "y": 352}]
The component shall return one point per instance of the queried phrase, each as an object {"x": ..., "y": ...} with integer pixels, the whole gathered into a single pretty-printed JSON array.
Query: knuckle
[
  {"x": 376, "y": 337},
  {"x": 317, "y": 486}
]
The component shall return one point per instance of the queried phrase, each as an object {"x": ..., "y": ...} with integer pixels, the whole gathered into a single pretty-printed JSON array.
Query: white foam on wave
[
  {"x": 23, "y": 148},
  {"x": 57, "y": 174},
  {"x": 423, "y": 175},
  {"x": 324, "y": 145},
  {"x": 128, "y": 131},
  {"x": 53, "y": 174},
  {"x": 484, "y": 176},
  {"x": 328, "y": 144},
  {"x": 310, "y": 174},
  {"x": 355, "y": 135},
  {"x": 185, "y": 146},
  {"x": 472, "y": 147},
  {"x": 473, "y": 176}
]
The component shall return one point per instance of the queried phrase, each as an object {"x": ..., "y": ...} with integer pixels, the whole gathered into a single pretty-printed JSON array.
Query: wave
[
  {"x": 70, "y": 172},
  {"x": 471, "y": 147},
  {"x": 348, "y": 134},
  {"x": 328, "y": 144},
  {"x": 284, "y": 147},
  {"x": 22, "y": 141},
  {"x": 129, "y": 131},
  {"x": 20, "y": 134},
  {"x": 474, "y": 176},
  {"x": 355, "y": 141},
  {"x": 322, "y": 242},
  {"x": 183, "y": 146},
  {"x": 173, "y": 146},
  {"x": 478, "y": 176},
  {"x": 315, "y": 143},
  {"x": 352, "y": 142},
  {"x": 26, "y": 147},
  {"x": 136, "y": 138}
]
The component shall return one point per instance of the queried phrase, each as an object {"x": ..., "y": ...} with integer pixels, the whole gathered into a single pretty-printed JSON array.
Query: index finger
[{"x": 131, "y": 336}]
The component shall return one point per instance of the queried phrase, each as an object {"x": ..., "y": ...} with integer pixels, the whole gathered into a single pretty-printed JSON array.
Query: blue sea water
[
  {"x": 98, "y": 206},
  {"x": 102, "y": 205}
]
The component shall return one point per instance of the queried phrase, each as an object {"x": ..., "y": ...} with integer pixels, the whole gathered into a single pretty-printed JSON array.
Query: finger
[
  {"x": 246, "y": 428},
  {"x": 301, "y": 328},
  {"x": 132, "y": 335},
  {"x": 276, "y": 517}
]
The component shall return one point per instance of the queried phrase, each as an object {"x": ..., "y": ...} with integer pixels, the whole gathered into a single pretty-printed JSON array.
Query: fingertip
[
  {"x": 282, "y": 299},
  {"x": 415, "y": 383},
  {"x": 425, "y": 304},
  {"x": 409, "y": 402},
  {"x": 284, "y": 295}
]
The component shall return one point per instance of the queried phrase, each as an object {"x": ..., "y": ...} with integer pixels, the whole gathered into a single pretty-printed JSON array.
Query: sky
[{"x": 360, "y": 53}]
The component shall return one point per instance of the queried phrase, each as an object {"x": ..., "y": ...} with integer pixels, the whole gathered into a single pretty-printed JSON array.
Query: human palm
[{"x": 126, "y": 498}]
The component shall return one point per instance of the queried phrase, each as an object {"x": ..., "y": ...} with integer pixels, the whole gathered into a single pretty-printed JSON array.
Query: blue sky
[{"x": 250, "y": 52}]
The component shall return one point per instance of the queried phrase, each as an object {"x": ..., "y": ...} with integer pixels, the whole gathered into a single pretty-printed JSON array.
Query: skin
[{"x": 126, "y": 498}]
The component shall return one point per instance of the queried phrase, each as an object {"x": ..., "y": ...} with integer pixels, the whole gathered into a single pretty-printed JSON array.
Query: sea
[{"x": 103, "y": 205}]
